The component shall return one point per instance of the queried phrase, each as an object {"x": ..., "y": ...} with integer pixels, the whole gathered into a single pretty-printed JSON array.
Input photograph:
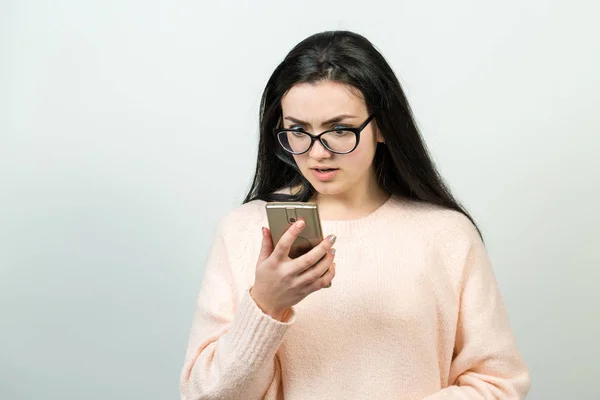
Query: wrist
[{"x": 278, "y": 314}]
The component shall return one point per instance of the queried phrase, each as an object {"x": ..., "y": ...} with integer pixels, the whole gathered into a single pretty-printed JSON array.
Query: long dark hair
[{"x": 403, "y": 165}]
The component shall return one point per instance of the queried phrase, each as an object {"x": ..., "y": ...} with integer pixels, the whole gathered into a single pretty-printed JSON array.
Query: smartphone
[{"x": 282, "y": 215}]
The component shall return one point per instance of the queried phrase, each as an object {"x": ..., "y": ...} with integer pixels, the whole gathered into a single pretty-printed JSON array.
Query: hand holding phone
[{"x": 281, "y": 281}]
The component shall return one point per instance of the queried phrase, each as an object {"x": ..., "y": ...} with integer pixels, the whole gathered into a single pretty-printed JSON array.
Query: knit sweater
[{"x": 414, "y": 312}]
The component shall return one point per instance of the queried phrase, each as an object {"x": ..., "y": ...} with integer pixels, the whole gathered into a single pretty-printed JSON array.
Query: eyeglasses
[{"x": 339, "y": 141}]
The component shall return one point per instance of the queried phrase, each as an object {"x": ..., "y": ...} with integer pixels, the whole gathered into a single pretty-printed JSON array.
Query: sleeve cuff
[{"x": 254, "y": 336}]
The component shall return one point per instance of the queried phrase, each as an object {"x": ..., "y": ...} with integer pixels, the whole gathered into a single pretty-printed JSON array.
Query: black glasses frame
[{"x": 318, "y": 137}]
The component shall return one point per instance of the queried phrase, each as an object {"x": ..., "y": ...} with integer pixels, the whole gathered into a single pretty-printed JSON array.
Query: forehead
[{"x": 322, "y": 100}]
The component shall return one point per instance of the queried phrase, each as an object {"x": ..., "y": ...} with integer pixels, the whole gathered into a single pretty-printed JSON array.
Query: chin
[{"x": 328, "y": 188}]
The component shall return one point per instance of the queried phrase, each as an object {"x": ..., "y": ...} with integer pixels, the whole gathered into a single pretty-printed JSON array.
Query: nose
[{"x": 318, "y": 151}]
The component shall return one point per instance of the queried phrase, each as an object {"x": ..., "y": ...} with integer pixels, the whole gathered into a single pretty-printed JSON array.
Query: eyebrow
[{"x": 329, "y": 121}]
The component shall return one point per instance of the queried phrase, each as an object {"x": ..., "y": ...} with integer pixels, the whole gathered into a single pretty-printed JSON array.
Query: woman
[{"x": 414, "y": 311}]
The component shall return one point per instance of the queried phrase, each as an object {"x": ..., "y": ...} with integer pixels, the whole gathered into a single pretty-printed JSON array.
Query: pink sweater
[{"x": 414, "y": 312}]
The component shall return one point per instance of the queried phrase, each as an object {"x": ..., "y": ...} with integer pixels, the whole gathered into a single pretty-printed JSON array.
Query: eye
[
  {"x": 341, "y": 130},
  {"x": 341, "y": 133},
  {"x": 341, "y": 127},
  {"x": 296, "y": 131}
]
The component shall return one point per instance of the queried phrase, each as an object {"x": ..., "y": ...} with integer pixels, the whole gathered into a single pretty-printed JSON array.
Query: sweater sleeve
[
  {"x": 486, "y": 363},
  {"x": 231, "y": 352}
]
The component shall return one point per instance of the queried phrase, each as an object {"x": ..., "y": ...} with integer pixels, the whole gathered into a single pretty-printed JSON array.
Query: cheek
[
  {"x": 300, "y": 160},
  {"x": 361, "y": 158}
]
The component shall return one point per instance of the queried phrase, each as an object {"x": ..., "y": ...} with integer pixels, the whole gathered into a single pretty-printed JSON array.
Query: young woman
[{"x": 414, "y": 311}]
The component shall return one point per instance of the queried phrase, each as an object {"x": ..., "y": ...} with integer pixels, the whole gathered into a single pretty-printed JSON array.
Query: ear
[{"x": 380, "y": 138}]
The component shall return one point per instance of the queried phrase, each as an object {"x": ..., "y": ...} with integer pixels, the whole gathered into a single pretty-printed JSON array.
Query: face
[{"x": 317, "y": 107}]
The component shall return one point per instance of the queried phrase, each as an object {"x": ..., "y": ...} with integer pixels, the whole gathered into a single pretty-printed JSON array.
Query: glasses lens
[
  {"x": 294, "y": 142},
  {"x": 340, "y": 141}
]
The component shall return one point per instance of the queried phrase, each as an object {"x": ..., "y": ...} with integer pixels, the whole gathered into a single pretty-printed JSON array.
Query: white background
[{"x": 128, "y": 128}]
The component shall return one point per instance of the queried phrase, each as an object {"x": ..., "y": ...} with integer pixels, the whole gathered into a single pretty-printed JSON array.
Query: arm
[
  {"x": 486, "y": 363},
  {"x": 232, "y": 344}
]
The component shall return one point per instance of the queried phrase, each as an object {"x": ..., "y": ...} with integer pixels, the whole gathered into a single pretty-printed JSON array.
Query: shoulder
[
  {"x": 248, "y": 215},
  {"x": 453, "y": 238},
  {"x": 450, "y": 238},
  {"x": 247, "y": 211},
  {"x": 442, "y": 227},
  {"x": 243, "y": 219}
]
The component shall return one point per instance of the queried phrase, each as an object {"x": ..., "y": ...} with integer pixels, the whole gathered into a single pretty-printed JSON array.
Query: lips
[
  {"x": 324, "y": 169},
  {"x": 324, "y": 174}
]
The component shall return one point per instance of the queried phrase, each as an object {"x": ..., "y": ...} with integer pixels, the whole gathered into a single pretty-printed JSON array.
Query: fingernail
[
  {"x": 300, "y": 224},
  {"x": 331, "y": 238},
  {"x": 333, "y": 252}
]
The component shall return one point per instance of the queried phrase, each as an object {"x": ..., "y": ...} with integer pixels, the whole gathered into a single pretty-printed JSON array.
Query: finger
[
  {"x": 267, "y": 245},
  {"x": 323, "y": 281},
  {"x": 282, "y": 250},
  {"x": 318, "y": 270},
  {"x": 309, "y": 259},
  {"x": 331, "y": 281}
]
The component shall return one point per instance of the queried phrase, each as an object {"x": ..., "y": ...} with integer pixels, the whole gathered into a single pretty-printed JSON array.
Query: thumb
[{"x": 267, "y": 245}]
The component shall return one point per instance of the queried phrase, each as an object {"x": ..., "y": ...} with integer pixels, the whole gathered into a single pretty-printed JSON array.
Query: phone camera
[{"x": 292, "y": 220}]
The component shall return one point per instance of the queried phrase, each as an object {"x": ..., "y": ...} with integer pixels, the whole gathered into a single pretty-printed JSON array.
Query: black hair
[{"x": 403, "y": 165}]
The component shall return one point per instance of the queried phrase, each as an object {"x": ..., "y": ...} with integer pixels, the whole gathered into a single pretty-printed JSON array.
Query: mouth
[
  {"x": 324, "y": 169},
  {"x": 324, "y": 174}
]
